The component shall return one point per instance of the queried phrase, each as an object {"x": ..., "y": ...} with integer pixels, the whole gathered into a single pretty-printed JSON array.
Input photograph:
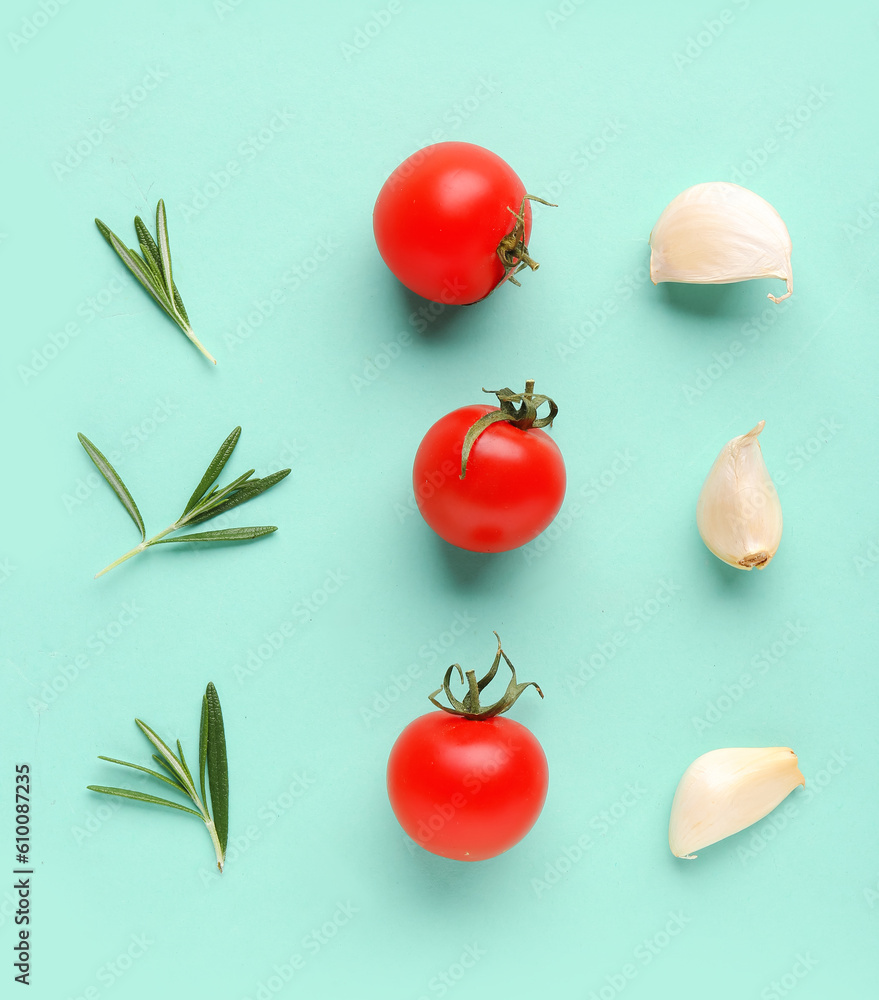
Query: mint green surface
[{"x": 268, "y": 129}]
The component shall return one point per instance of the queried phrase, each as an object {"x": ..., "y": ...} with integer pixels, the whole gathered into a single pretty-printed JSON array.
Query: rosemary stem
[
  {"x": 189, "y": 333},
  {"x": 212, "y": 830},
  {"x": 138, "y": 548}
]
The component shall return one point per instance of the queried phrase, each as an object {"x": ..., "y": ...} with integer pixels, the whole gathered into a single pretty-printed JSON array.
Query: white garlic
[
  {"x": 725, "y": 791},
  {"x": 738, "y": 513},
  {"x": 717, "y": 233}
]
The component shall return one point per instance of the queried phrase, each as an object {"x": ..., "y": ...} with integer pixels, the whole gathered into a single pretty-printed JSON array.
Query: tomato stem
[
  {"x": 511, "y": 250},
  {"x": 524, "y": 417},
  {"x": 470, "y": 707}
]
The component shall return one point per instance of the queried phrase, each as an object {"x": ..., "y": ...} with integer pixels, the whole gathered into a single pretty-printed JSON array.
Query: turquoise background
[{"x": 268, "y": 130}]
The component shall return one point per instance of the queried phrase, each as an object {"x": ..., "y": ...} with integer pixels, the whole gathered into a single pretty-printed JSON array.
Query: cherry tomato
[
  {"x": 513, "y": 487},
  {"x": 440, "y": 217},
  {"x": 467, "y": 789}
]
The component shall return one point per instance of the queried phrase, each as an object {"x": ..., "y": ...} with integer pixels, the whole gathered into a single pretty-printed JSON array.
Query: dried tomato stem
[
  {"x": 470, "y": 708},
  {"x": 511, "y": 250},
  {"x": 524, "y": 417}
]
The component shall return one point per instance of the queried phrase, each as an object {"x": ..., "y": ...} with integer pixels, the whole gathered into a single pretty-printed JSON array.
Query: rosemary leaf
[
  {"x": 164, "y": 247},
  {"x": 218, "y": 768},
  {"x": 153, "y": 271},
  {"x": 203, "y": 744},
  {"x": 126, "y": 793},
  {"x": 170, "y": 771},
  {"x": 202, "y": 505},
  {"x": 148, "y": 245},
  {"x": 213, "y": 471},
  {"x": 247, "y": 492},
  {"x": 138, "y": 268},
  {"x": 224, "y": 535},
  {"x": 168, "y": 754},
  {"x": 115, "y": 481},
  {"x": 146, "y": 770}
]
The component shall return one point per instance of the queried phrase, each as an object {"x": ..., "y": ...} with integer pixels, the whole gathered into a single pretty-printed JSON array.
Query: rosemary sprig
[
  {"x": 153, "y": 269},
  {"x": 212, "y": 754},
  {"x": 206, "y": 502}
]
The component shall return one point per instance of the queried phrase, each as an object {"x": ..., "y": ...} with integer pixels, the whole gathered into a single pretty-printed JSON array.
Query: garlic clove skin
[
  {"x": 726, "y": 791},
  {"x": 717, "y": 233},
  {"x": 738, "y": 513}
]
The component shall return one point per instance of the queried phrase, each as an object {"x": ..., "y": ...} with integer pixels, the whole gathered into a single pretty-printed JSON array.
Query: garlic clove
[
  {"x": 717, "y": 233},
  {"x": 725, "y": 791},
  {"x": 738, "y": 513}
]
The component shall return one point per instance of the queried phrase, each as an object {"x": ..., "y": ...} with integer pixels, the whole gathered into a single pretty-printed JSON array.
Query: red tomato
[
  {"x": 514, "y": 487},
  {"x": 467, "y": 789},
  {"x": 440, "y": 216}
]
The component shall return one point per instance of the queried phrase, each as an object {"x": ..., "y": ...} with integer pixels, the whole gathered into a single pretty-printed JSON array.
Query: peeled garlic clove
[
  {"x": 717, "y": 233},
  {"x": 738, "y": 513},
  {"x": 725, "y": 791}
]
